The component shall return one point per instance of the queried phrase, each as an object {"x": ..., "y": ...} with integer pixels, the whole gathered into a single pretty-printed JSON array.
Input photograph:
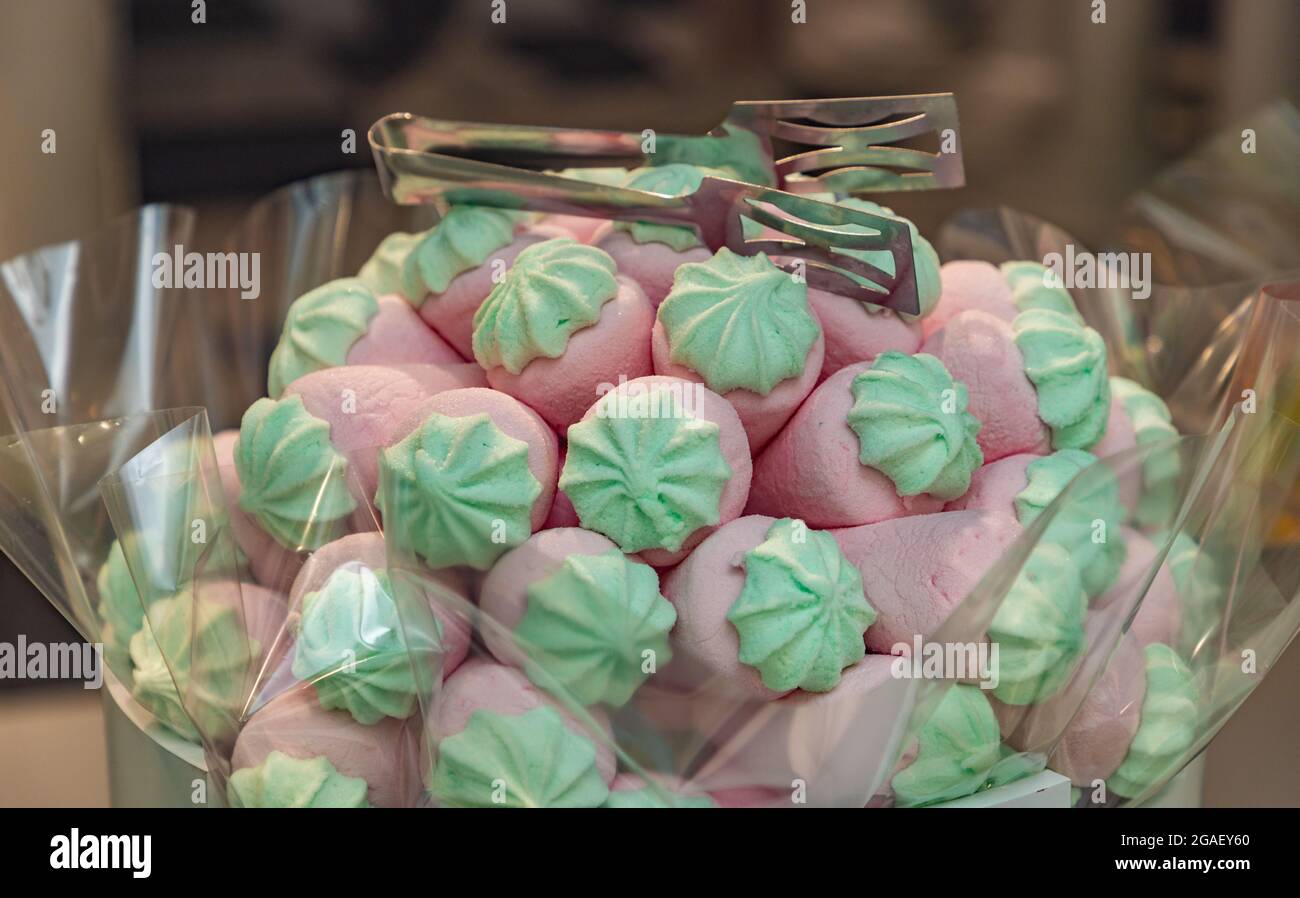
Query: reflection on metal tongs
[{"x": 443, "y": 163}]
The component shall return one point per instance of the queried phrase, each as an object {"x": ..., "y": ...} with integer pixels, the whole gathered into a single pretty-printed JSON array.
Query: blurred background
[{"x": 1061, "y": 116}]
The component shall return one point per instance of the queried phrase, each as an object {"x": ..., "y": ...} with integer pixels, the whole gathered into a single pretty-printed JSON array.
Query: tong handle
[
  {"x": 418, "y": 164},
  {"x": 522, "y": 146}
]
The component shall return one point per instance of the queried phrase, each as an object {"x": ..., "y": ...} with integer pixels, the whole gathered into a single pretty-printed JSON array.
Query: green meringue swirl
[
  {"x": 382, "y": 272},
  {"x": 1199, "y": 580},
  {"x": 958, "y": 748},
  {"x": 1088, "y": 526},
  {"x": 203, "y": 647},
  {"x": 673, "y": 179},
  {"x": 1161, "y": 464},
  {"x": 645, "y": 481},
  {"x": 647, "y": 797},
  {"x": 739, "y": 322},
  {"x": 321, "y": 327},
  {"x": 554, "y": 289},
  {"x": 120, "y": 609},
  {"x": 282, "y": 781},
  {"x": 1035, "y": 286},
  {"x": 1167, "y": 728},
  {"x": 463, "y": 240},
  {"x": 352, "y": 648},
  {"x": 461, "y": 491},
  {"x": 925, "y": 261},
  {"x": 1038, "y": 628},
  {"x": 1066, "y": 362},
  {"x": 529, "y": 760},
  {"x": 293, "y": 480},
  {"x": 802, "y": 613},
  {"x": 590, "y": 622},
  {"x": 912, "y": 425}
]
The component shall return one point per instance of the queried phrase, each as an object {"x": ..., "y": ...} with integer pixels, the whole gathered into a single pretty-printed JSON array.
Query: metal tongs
[{"x": 423, "y": 160}]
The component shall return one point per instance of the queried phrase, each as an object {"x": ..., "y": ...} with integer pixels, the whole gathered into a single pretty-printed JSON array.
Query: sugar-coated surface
[
  {"x": 398, "y": 336},
  {"x": 386, "y": 754},
  {"x": 617, "y": 345},
  {"x": 969, "y": 285},
  {"x": 652, "y": 265},
  {"x": 1096, "y": 740},
  {"x": 1160, "y": 614},
  {"x": 579, "y": 227},
  {"x": 980, "y": 350},
  {"x": 915, "y": 570},
  {"x": 855, "y": 335},
  {"x": 451, "y": 313},
  {"x": 1120, "y": 437},
  {"x": 811, "y": 469},
  {"x": 503, "y": 597},
  {"x": 762, "y": 416},
  {"x": 995, "y": 485},
  {"x": 835, "y": 741},
  {"x": 367, "y": 407},
  {"x": 702, "y": 589},
  {"x": 480, "y": 684}
]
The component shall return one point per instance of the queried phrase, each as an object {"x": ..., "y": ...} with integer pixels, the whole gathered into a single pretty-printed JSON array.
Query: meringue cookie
[
  {"x": 584, "y": 615},
  {"x": 745, "y": 329},
  {"x": 344, "y": 323},
  {"x": 476, "y": 477},
  {"x": 655, "y": 464}
]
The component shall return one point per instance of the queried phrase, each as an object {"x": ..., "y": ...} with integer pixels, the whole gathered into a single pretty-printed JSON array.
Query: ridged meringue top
[
  {"x": 588, "y": 624},
  {"x": 739, "y": 322},
  {"x": 1167, "y": 727},
  {"x": 1034, "y": 286},
  {"x": 957, "y": 750},
  {"x": 293, "y": 480},
  {"x": 553, "y": 289},
  {"x": 1088, "y": 526},
  {"x": 1039, "y": 627},
  {"x": 912, "y": 425},
  {"x": 464, "y": 492},
  {"x": 645, "y": 481},
  {"x": 282, "y": 781},
  {"x": 925, "y": 261},
  {"x": 1161, "y": 462},
  {"x": 529, "y": 760},
  {"x": 464, "y": 239},
  {"x": 119, "y": 606},
  {"x": 673, "y": 179},
  {"x": 1152, "y": 422},
  {"x": 321, "y": 327},
  {"x": 352, "y": 648},
  {"x": 1066, "y": 362},
  {"x": 200, "y": 645},
  {"x": 382, "y": 272},
  {"x": 802, "y": 613}
]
